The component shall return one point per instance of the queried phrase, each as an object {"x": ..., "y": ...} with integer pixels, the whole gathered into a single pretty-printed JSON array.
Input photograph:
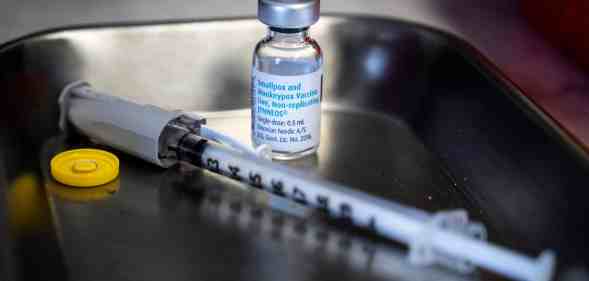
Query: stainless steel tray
[{"x": 411, "y": 114}]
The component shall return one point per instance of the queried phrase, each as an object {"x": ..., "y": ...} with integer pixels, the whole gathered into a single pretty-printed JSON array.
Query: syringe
[{"x": 166, "y": 137}]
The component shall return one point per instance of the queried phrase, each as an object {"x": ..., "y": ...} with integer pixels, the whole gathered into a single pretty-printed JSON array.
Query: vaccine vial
[{"x": 287, "y": 78}]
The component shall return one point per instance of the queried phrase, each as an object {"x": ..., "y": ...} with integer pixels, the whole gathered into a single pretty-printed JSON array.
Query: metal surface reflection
[
  {"x": 280, "y": 223},
  {"x": 82, "y": 195}
]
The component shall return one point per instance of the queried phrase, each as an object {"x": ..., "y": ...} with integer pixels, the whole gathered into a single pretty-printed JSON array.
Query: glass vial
[{"x": 287, "y": 78}]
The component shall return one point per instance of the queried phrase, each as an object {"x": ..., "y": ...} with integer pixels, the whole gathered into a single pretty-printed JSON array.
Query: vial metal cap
[{"x": 288, "y": 13}]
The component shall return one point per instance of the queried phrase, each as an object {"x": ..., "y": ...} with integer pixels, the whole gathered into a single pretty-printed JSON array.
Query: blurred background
[
  {"x": 523, "y": 23},
  {"x": 21, "y": 17}
]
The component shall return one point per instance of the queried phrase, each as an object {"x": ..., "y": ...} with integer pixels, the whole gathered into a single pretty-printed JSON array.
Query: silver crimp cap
[{"x": 288, "y": 13}]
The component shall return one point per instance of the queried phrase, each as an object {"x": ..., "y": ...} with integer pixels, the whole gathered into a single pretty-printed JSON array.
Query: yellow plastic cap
[{"x": 85, "y": 167}]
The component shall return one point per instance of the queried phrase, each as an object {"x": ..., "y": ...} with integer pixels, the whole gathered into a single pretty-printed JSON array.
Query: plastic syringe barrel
[
  {"x": 140, "y": 130},
  {"x": 389, "y": 219},
  {"x": 124, "y": 125}
]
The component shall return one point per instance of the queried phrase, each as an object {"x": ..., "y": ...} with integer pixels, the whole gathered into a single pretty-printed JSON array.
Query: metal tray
[{"x": 411, "y": 114}]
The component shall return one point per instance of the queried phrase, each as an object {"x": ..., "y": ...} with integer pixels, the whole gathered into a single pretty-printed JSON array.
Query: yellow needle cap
[{"x": 85, "y": 167}]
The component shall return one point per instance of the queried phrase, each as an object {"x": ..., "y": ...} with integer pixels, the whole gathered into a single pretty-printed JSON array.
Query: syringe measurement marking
[
  {"x": 234, "y": 172},
  {"x": 277, "y": 188},
  {"x": 255, "y": 180},
  {"x": 213, "y": 165},
  {"x": 322, "y": 202}
]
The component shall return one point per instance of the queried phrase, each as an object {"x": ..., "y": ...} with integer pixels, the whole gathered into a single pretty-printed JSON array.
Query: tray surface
[{"x": 410, "y": 115}]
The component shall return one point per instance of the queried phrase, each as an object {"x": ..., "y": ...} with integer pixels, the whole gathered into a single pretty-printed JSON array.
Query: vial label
[{"x": 286, "y": 110}]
